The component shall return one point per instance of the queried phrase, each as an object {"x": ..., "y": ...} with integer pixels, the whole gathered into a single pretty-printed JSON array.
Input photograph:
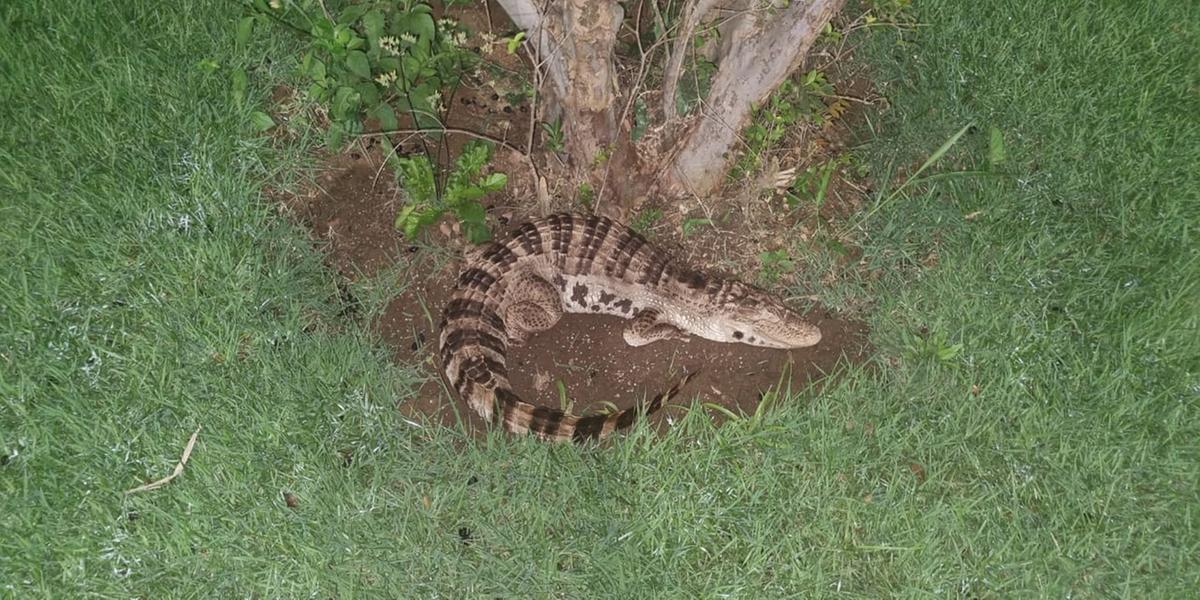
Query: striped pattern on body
[{"x": 597, "y": 266}]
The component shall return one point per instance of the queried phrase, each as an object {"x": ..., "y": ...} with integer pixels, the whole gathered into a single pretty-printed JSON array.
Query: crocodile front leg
[{"x": 649, "y": 327}]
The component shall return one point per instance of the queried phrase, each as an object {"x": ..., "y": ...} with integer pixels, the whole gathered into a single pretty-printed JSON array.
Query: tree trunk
[{"x": 574, "y": 41}]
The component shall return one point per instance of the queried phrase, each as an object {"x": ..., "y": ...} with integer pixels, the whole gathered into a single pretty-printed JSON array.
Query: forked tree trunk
[{"x": 573, "y": 42}]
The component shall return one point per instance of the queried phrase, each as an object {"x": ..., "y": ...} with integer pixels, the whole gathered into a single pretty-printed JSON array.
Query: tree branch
[
  {"x": 526, "y": 15},
  {"x": 693, "y": 14}
]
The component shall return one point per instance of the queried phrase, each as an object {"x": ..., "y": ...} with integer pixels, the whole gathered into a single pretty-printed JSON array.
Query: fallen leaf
[{"x": 918, "y": 471}]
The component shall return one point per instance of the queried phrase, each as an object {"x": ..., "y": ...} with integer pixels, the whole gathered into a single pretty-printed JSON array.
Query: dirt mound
[{"x": 582, "y": 360}]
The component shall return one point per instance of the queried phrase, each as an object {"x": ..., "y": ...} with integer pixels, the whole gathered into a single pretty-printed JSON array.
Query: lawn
[{"x": 1027, "y": 428}]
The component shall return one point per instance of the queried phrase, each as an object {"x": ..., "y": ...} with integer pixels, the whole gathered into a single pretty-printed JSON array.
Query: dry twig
[{"x": 187, "y": 453}]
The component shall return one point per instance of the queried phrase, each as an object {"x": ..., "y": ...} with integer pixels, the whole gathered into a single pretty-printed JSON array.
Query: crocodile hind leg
[
  {"x": 648, "y": 327},
  {"x": 534, "y": 305}
]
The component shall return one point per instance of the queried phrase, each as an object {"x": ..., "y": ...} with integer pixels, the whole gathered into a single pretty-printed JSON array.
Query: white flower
[
  {"x": 390, "y": 44},
  {"x": 386, "y": 79},
  {"x": 435, "y": 101},
  {"x": 408, "y": 37}
]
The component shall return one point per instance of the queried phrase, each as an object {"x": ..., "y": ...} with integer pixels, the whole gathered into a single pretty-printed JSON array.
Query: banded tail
[{"x": 551, "y": 424}]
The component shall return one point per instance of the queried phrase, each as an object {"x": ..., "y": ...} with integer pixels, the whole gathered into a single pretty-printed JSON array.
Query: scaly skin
[{"x": 588, "y": 264}]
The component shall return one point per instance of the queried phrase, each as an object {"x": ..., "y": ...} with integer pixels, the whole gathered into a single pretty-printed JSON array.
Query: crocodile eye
[{"x": 737, "y": 335}]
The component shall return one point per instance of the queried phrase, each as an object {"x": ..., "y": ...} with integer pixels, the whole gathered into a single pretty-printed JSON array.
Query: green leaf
[
  {"x": 471, "y": 212},
  {"x": 459, "y": 194},
  {"x": 318, "y": 92},
  {"x": 352, "y": 13},
  {"x": 208, "y": 65},
  {"x": 261, "y": 121},
  {"x": 474, "y": 219},
  {"x": 386, "y": 116},
  {"x": 690, "y": 224},
  {"x": 413, "y": 218},
  {"x": 342, "y": 35},
  {"x": 237, "y": 86},
  {"x": 996, "y": 152},
  {"x": 477, "y": 234},
  {"x": 419, "y": 24},
  {"x": 388, "y": 64},
  {"x": 406, "y": 220},
  {"x": 494, "y": 181},
  {"x": 316, "y": 70},
  {"x": 368, "y": 93},
  {"x": 374, "y": 23},
  {"x": 416, "y": 175},
  {"x": 334, "y": 136},
  {"x": 356, "y": 62},
  {"x": 474, "y": 156},
  {"x": 322, "y": 29},
  {"x": 345, "y": 103},
  {"x": 515, "y": 41},
  {"x": 245, "y": 28}
]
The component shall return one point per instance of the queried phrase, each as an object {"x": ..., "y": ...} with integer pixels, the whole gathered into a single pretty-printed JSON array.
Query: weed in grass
[
  {"x": 375, "y": 60},
  {"x": 774, "y": 264},
  {"x": 799, "y": 99},
  {"x": 811, "y": 184}
]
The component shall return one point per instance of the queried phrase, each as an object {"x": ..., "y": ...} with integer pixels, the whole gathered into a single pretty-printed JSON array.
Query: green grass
[{"x": 149, "y": 290}]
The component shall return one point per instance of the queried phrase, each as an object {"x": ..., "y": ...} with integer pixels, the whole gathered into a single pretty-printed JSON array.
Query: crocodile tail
[{"x": 551, "y": 424}]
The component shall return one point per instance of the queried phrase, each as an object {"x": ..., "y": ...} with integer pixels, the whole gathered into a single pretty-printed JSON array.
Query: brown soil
[{"x": 351, "y": 207}]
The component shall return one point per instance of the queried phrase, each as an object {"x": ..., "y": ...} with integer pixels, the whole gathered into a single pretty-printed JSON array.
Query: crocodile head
[{"x": 751, "y": 316}]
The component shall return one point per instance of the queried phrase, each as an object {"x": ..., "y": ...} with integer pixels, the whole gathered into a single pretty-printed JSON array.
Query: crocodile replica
[{"x": 564, "y": 263}]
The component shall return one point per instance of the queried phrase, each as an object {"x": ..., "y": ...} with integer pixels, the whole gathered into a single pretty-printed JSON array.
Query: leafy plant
[
  {"x": 645, "y": 220},
  {"x": 375, "y": 60},
  {"x": 465, "y": 185},
  {"x": 585, "y": 195},
  {"x": 514, "y": 42},
  {"x": 554, "y": 135},
  {"x": 796, "y": 100},
  {"x": 889, "y": 11},
  {"x": 811, "y": 184},
  {"x": 932, "y": 348},
  {"x": 774, "y": 264},
  {"x": 690, "y": 224}
]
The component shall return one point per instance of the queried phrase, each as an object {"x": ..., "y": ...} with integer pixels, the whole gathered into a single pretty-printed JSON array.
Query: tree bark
[
  {"x": 745, "y": 77},
  {"x": 589, "y": 33},
  {"x": 574, "y": 42}
]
